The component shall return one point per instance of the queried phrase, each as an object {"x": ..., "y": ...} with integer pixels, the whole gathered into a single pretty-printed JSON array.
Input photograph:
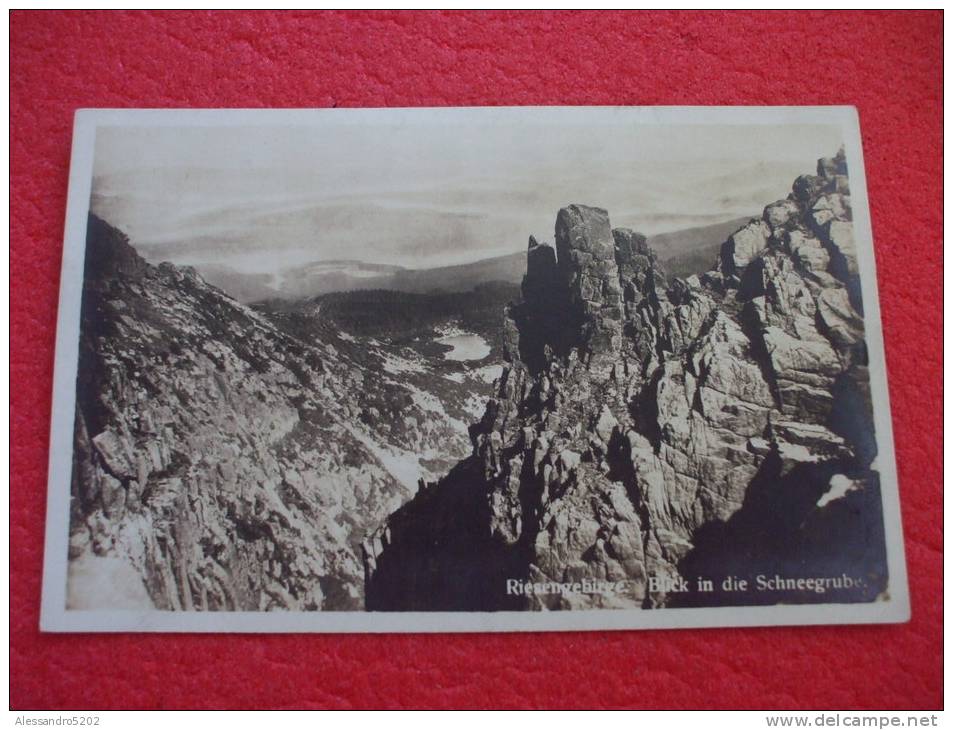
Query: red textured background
[{"x": 888, "y": 65}]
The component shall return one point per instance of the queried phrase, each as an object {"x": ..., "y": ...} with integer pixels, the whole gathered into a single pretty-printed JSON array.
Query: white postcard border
[{"x": 56, "y": 618}]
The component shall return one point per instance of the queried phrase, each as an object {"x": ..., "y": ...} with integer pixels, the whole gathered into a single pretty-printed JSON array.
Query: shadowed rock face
[
  {"x": 543, "y": 311},
  {"x": 652, "y": 428}
]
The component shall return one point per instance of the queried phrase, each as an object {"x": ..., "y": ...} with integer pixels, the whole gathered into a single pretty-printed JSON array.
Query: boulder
[
  {"x": 807, "y": 250},
  {"x": 743, "y": 246},
  {"x": 605, "y": 424},
  {"x": 830, "y": 207},
  {"x": 844, "y": 327},
  {"x": 781, "y": 214},
  {"x": 807, "y": 187},
  {"x": 117, "y": 454},
  {"x": 840, "y": 240}
]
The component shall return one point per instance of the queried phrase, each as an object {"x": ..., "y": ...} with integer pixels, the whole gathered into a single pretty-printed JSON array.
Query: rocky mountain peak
[
  {"x": 577, "y": 293},
  {"x": 586, "y": 259},
  {"x": 654, "y": 429}
]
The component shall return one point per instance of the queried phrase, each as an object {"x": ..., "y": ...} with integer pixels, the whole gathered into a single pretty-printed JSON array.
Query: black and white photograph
[{"x": 469, "y": 369}]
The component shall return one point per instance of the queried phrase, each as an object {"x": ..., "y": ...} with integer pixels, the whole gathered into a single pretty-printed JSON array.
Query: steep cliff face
[
  {"x": 222, "y": 462},
  {"x": 648, "y": 431}
]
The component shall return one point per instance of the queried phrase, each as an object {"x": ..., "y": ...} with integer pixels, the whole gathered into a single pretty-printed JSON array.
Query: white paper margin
[{"x": 55, "y": 617}]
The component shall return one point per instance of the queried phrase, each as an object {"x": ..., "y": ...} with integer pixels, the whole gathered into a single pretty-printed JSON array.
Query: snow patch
[
  {"x": 432, "y": 404},
  {"x": 840, "y": 487},
  {"x": 488, "y": 373},
  {"x": 426, "y": 401},
  {"x": 402, "y": 465},
  {"x": 466, "y": 346},
  {"x": 397, "y": 365}
]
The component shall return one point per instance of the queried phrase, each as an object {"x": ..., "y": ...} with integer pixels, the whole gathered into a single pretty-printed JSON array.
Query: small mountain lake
[{"x": 465, "y": 347}]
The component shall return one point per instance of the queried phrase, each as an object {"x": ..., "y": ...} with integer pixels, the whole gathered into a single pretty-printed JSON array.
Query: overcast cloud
[{"x": 261, "y": 199}]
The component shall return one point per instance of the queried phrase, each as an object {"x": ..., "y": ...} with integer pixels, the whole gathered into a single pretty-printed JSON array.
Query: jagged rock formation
[
  {"x": 653, "y": 429},
  {"x": 223, "y": 462}
]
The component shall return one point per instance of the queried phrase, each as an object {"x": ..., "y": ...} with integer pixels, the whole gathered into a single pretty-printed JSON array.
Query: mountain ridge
[
  {"x": 658, "y": 432},
  {"x": 224, "y": 460},
  {"x": 685, "y": 252}
]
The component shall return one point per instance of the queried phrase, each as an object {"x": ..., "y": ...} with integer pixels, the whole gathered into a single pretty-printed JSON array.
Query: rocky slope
[
  {"x": 652, "y": 430},
  {"x": 226, "y": 462},
  {"x": 411, "y": 348}
]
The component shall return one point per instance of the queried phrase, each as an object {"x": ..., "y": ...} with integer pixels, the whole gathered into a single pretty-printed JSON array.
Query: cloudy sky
[{"x": 260, "y": 199}]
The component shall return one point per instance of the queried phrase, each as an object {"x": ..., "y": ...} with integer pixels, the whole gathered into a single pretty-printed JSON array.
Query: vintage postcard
[{"x": 475, "y": 369}]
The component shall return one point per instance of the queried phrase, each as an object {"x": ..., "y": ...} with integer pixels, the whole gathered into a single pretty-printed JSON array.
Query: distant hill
[
  {"x": 508, "y": 269},
  {"x": 693, "y": 250},
  {"x": 330, "y": 277},
  {"x": 685, "y": 252}
]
